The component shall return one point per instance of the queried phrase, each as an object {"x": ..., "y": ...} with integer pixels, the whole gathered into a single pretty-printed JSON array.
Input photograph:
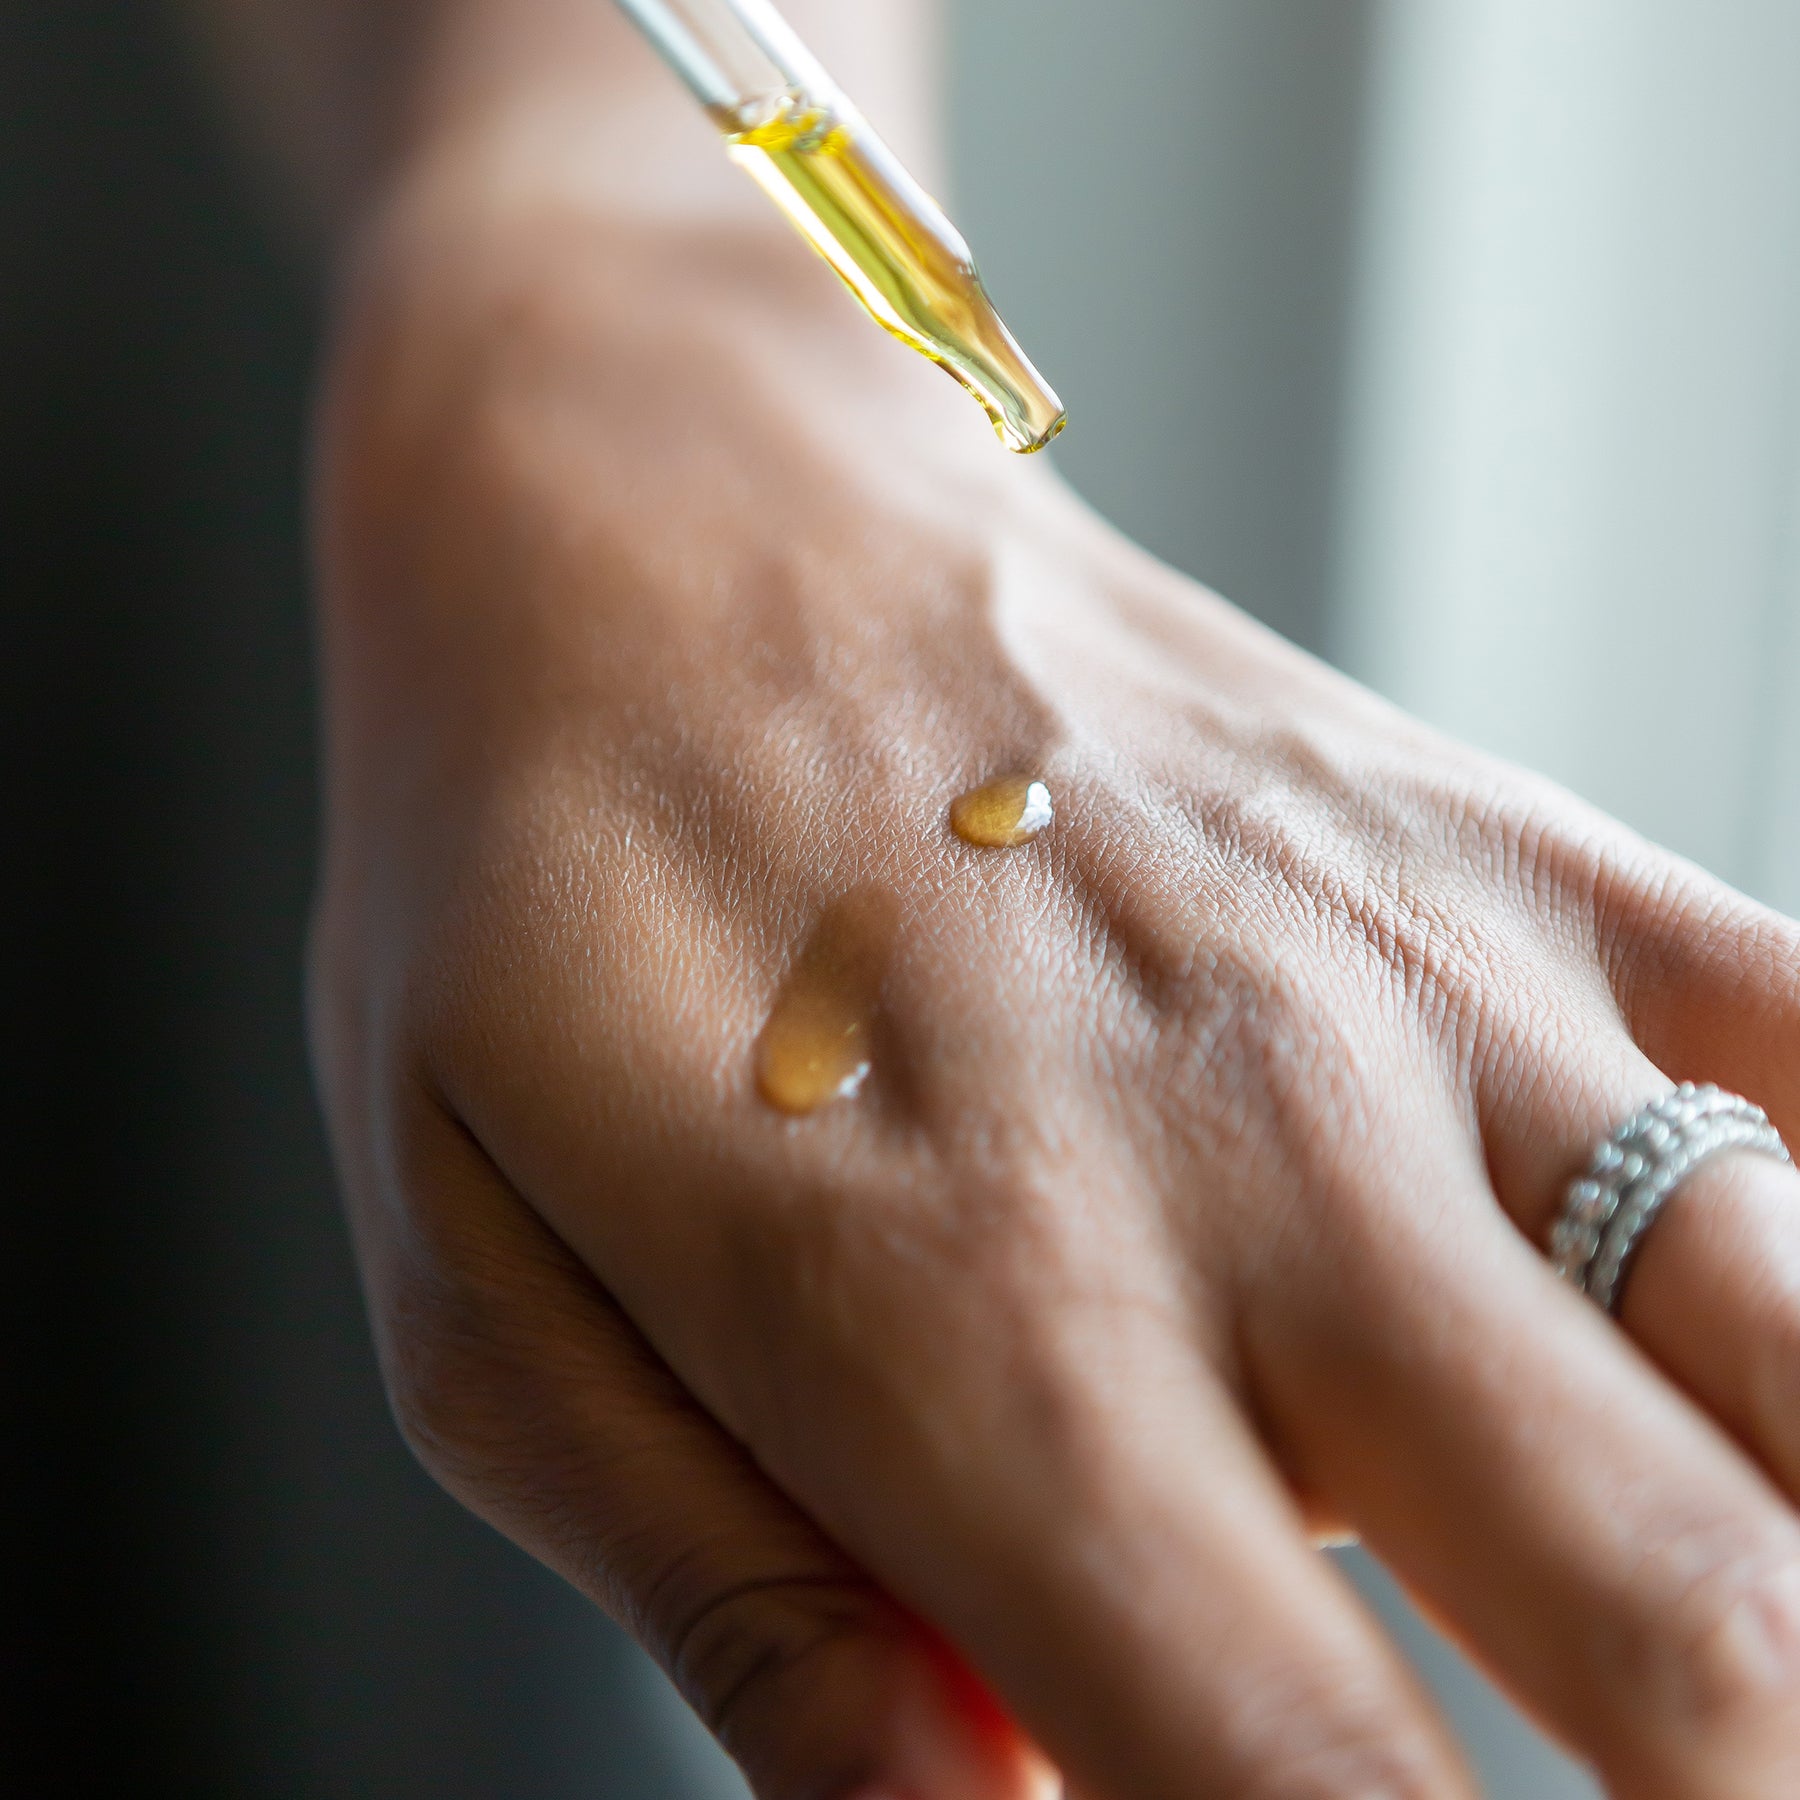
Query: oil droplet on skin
[
  {"x": 818, "y": 1043},
  {"x": 1003, "y": 814}
]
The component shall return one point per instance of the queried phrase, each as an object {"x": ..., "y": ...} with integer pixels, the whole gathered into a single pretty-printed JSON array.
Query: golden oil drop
[
  {"x": 852, "y": 200},
  {"x": 1002, "y": 814},
  {"x": 817, "y": 1045}
]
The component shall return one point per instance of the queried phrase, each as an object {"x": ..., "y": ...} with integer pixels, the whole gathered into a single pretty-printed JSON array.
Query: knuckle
[
  {"x": 1559, "y": 856},
  {"x": 433, "y": 1363},
  {"x": 1425, "y": 951},
  {"x": 463, "y": 1362},
  {"x": 1732, "y": 1651},
  {"x": 1269, "y": 1036},
  {"x": 1347, "y": 1772},
  {"x": 1387, "y": 888},
  {"x": 1353, "y": 1748},
  {"x": 1662, "y": 927},
  {"x": 742, "y": 1654},
  {"x": 497, "y": 1413}
]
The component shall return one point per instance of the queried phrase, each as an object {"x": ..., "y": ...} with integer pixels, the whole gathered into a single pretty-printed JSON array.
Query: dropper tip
[{"x": 1031, "y": 446}]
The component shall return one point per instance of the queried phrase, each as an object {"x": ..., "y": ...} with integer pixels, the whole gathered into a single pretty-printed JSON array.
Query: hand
[{"x": 1193, "y": 1204}]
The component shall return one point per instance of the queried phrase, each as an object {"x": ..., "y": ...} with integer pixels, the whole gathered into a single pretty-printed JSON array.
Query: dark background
[{"x": 227, "y": 1577}]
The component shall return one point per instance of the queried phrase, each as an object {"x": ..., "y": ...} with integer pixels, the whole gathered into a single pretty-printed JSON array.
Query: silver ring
[{"x": 1636, "y": 1170}]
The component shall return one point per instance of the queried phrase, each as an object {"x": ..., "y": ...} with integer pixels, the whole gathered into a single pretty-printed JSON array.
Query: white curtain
[
  {"x": 1460, "y": 338},
  {"x": 1571, "y": 461}
]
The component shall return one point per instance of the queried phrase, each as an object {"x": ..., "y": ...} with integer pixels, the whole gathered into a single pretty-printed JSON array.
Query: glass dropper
[{"x": 790, "y": 126}]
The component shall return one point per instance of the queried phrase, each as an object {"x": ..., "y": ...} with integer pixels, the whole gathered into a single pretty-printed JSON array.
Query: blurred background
[{"x": 1459, "y": 340}]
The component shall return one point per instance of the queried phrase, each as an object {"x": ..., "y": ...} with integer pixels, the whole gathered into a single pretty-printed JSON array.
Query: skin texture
[{"x": 979, "y": 1427}]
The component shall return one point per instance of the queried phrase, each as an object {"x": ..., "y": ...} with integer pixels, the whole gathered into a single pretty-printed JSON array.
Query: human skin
[{"x": 981, "y": 1426}]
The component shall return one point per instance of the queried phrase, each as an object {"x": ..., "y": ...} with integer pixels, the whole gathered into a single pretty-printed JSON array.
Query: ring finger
[
  {"x": 1622, "y": 1567},
  {"x": 1713, "y": 1292}
]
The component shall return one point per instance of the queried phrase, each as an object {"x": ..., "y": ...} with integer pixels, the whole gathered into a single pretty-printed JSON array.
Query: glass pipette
[{"x": 791, "y": 127}]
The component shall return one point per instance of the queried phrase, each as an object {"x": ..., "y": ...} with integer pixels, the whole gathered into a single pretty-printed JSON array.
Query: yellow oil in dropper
[{"x": 902, "y": 258}]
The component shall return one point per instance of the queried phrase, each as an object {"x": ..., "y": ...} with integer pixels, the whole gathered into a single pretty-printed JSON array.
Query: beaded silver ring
[{"x": 1634, "y": 1173}]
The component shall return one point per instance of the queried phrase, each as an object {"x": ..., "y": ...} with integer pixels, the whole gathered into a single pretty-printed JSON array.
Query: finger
[
  {"x": 1082, "y": 1509},
  {"x": 946, "y": 1355},
  {"x": 1714, "y": 1296},
  {"x": 1596, "y": 1540},
  {"x": 1709, "y": 986},
  {"x": 1713, "y": 1293},
  {"x": 1074, "y": 1500},
  {"x": 1146, "y": 1599},
  {"x": 530, "y": 1396}
]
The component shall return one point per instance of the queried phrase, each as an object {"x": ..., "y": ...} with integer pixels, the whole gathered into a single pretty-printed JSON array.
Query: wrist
[
  {"x": 506, "y": 237},
  {"x": 569, "y": 90}
]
